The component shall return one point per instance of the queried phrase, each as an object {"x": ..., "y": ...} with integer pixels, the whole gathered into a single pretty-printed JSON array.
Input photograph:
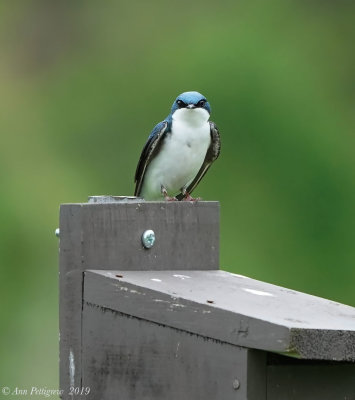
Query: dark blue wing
[
  {"x": 149, "y": 151},
  {"x": 211, "y": 155}
]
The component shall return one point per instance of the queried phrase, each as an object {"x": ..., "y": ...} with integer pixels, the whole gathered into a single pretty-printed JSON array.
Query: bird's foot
[
  {"x": 187, "y": 197},
  {"x": 166, "y": 196}
]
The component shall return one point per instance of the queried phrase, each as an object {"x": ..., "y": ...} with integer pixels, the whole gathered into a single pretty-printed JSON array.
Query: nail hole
[
  {"x": 119, "y": 276},
  {"x": 210, "y": 301}
]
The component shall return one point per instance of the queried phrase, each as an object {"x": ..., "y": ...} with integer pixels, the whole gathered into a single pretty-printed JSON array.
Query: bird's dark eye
[
  {"x": 201, "y": 103},
  {"x": 181, "y": 104}
]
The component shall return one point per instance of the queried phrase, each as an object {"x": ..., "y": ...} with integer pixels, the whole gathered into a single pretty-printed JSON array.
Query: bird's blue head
[{"x": 191, "y": 101}]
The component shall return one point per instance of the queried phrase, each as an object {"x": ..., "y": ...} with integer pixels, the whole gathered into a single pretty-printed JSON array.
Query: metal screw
[
  {"x": 57, "y": 232},
  {"x": 236, "y": 384},
  {"x": 148, "y": 238}
]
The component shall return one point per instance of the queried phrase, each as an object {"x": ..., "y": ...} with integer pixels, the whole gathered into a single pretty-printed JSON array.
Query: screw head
[
  {"x": 148, "y": 238},
  {"x": 236, "y": 384}
]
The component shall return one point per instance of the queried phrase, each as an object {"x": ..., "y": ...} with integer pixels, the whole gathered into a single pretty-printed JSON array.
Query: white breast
[{"x": 180, "y": 156}]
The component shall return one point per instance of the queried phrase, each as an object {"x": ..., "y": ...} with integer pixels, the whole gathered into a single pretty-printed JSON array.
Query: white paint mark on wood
[
  {"x": 136, "y": 292},
  {"x": 181, "y": 276},
  {"x": 161, "y": 301},
  {"x": 258, "y": 292},
  {"x": 119, "y": 287},
  {"x": 71, "y": 368},
  {"x": 177, "y": 349}
]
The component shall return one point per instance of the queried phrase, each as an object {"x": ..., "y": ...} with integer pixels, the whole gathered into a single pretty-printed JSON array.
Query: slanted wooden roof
[{"x": 230, "y": 308}]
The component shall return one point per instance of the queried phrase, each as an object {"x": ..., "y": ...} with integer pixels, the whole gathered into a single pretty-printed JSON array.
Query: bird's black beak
[{"x": 191, "y": 106}]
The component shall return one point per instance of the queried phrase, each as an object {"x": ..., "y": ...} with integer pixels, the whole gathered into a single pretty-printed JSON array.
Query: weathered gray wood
[
  {"x": 165, "y": 323},
  {"x": 108, "y": 236},
  {"x": 230, "y": 308},
  {"x": 70, "y": 298},
  {"x": 187, "y": 234},
  {"x": 311, "y": 382},
  {"x": 128, "y": 358}
]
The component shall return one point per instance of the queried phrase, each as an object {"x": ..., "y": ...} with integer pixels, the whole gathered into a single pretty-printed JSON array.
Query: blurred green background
[{"x": 83, "y": 83}]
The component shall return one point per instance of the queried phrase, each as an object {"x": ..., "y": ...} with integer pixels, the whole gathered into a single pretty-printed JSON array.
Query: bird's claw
[
  {"x": 164, "y": 192},
  {"x": 187, "y": 197},
  {"x": 168, "y": 198}
]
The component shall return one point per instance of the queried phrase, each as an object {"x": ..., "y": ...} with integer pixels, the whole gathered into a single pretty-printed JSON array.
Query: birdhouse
[{"x": 146, "y": 313}]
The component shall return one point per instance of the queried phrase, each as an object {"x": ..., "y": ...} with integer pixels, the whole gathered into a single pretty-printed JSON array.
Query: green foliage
[{"x": 83, "y": 83}]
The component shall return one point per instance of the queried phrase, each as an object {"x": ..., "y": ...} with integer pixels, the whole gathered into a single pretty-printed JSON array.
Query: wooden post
[{"x": 166, "y": 323}]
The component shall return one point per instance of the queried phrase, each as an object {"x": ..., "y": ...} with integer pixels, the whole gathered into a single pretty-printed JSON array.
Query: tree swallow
[{"x": 178, "y": 151}]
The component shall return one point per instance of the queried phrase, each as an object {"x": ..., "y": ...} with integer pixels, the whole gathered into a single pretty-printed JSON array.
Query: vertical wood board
[
  {"x": 108, "y": 236},
  {"x": 129, "y": 358}
]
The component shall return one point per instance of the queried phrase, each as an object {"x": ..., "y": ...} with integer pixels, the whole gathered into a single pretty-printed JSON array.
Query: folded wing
[{"x": 149, "y": 151}]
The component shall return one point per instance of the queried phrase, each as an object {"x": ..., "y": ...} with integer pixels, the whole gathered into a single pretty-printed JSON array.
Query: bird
[{"x": 179, "y": 151}]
